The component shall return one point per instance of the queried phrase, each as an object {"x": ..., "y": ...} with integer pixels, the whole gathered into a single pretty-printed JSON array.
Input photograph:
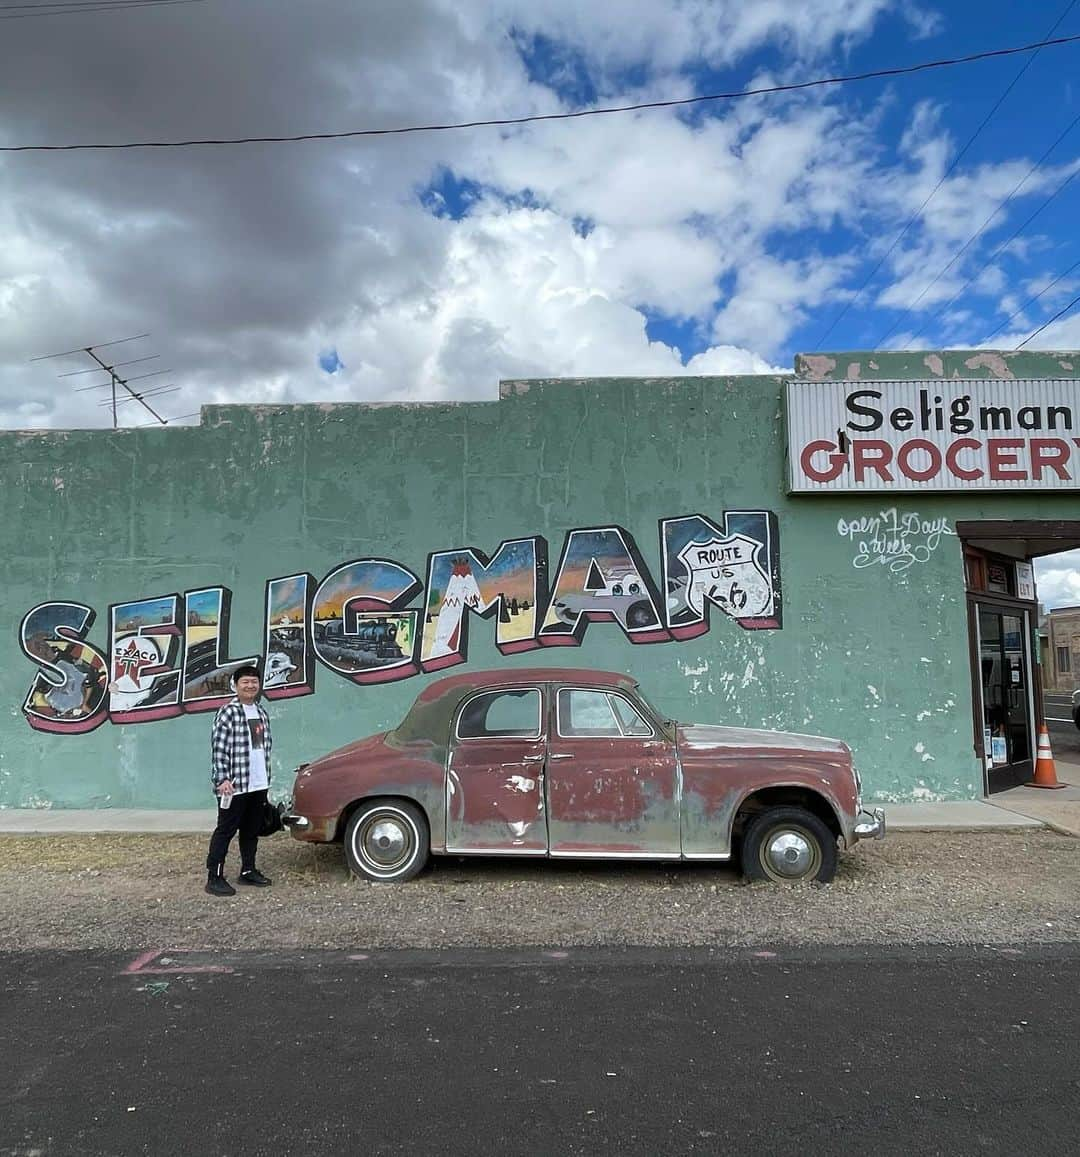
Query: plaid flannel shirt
[{"x": 230, "y": 746}]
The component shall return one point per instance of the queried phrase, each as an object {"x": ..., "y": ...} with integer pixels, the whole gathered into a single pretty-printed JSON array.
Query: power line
[
  {"x": 739, "y": 94},
  {"x": 72, "y": 9},
  {"x": 1045, "y": 324},
  {"x": 945, "y": 176},
  {"x": 1030, "y": 301},
  {"x": 1000, "y": 249},
  {"x": 978, "y": 232}
]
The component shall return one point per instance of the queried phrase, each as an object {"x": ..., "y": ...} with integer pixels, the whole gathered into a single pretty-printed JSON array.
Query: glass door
[{"x": 1005, "y": 675}]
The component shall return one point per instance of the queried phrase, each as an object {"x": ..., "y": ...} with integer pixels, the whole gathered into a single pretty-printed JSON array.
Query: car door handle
[
  {"x": 531, "y": 758},
  {"x": 560, "y": 755}
]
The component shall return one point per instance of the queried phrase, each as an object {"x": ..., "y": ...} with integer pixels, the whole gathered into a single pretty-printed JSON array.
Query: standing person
[{"x": 240, "y": 745}]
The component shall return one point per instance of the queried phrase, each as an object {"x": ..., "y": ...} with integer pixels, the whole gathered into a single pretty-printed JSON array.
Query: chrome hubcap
[
  {"x": 385, "y": 841},
  {"x": 789, "y": 854}
]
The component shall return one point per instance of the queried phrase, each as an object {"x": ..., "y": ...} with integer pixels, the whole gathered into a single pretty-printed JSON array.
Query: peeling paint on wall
[{"x": 997, "y": 364}]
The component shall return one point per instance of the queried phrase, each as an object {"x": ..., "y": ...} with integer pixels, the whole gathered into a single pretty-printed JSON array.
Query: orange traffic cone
[{"x": 1045, "y": 772}]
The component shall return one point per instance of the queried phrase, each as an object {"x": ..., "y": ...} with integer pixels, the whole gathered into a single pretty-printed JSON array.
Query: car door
[
  {"x": 495, "y": 773},
  {"x": 612, "y": 779}
]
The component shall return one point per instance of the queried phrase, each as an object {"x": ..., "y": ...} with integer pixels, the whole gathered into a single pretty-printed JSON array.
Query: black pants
[{"x": 244, "y": 815}]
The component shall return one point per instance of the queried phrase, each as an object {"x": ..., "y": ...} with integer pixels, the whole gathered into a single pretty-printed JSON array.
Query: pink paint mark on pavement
[{"x": 141, "y": 965}]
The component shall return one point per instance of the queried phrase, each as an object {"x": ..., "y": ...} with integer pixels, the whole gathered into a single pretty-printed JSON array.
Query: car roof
[
  {"x": 428, "y": 719},
  {"x": 513, "y": 675}
]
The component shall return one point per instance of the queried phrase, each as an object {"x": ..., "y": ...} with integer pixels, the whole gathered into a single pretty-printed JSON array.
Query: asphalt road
[
  {"x": 629, "y": 1052},
  {"x": 1064, "y": 735}
]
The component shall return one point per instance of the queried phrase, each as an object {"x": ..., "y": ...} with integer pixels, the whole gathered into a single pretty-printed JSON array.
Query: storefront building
[
  {"x": 846, "y": 551},
  {"x": 1062, "y": 671}
]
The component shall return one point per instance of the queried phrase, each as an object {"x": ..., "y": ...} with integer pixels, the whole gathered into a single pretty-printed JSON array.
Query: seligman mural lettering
[{"x": 372, "y": 620}]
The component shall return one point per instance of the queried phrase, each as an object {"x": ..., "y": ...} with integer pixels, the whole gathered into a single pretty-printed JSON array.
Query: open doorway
[
  {"x": 1057, "y": 579},
  {"x": 1009, "y": 660}
]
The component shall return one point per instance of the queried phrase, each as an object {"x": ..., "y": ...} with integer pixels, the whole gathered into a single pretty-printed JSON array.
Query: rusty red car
[{"x": 578, "y": 764}]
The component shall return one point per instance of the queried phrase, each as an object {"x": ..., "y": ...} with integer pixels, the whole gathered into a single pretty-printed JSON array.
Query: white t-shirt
[{"x": 257, "y": 779}]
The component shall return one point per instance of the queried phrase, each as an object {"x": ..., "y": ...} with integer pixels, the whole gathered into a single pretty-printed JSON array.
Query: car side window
[
  {"x": 629, "y": 718},
  {"x": 512, "y": 713},
  {"x": 586, "y": 713},
  {"x": 598, "y": 714}
]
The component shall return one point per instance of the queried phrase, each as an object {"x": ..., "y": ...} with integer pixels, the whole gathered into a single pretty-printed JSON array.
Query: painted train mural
[{"x": 169, "y": 654}]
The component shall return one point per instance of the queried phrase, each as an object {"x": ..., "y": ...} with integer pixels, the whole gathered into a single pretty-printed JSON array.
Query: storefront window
[{"x": 997, "y": 578}]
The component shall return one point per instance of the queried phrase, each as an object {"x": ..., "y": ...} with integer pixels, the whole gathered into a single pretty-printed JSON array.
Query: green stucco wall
[{"x": 874, "y": 657}]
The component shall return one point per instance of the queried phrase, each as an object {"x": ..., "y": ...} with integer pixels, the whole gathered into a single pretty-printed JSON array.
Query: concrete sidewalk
[{"x": 956, "y": 815}]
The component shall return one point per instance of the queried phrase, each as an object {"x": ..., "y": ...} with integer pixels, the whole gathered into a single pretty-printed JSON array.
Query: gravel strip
[{"x": 110, "y": 892}]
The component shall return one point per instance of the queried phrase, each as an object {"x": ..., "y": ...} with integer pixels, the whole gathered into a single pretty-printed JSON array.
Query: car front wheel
[
  {"x": 788, "y": 845},
  {"x": 387, "y": 841}
]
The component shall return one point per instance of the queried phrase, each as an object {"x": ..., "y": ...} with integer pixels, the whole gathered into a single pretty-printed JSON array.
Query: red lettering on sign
[
  {"x": 1052, "y": 452},
  {"x": 915, "y": 445},
  {"x": 1004, "y": 466},
  {"x": 830, "y": 472},
  {"x": 970, "y": 473},
  {"x": 871, "y": 454}
]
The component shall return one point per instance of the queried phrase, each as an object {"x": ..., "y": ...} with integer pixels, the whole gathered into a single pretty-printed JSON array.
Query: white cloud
[
  {"x": 771, "y": 298},
  {"x": 671, "y": 35},
  {"x": 245, "y": 263},
  {"x": 1057, "y": 579}
]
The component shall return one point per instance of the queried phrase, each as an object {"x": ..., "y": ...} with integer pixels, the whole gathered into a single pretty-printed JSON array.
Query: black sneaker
[
  {"x": 255, "y": 878},
  {"x": 219, "y": 886}
]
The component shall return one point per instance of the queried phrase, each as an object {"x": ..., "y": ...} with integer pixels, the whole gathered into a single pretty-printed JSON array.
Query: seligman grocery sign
[{"x": 937, "y": 435}]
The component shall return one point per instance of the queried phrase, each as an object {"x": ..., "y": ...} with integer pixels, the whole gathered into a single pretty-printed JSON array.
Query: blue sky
[{"x": 1039, "y": 108}]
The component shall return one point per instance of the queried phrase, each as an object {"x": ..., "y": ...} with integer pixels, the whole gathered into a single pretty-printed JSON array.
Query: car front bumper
[
  {"x": 311, "y": 829},
  {"x": 870, "y": 824}
]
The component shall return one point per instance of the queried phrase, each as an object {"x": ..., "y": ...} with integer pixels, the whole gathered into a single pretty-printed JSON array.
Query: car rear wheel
[
  {"x": 788, "y": 845},
  {"x": 387, "y": 841}
]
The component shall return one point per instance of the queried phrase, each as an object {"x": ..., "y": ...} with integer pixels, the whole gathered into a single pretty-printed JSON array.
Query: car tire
[
  {"x": 788, "y": 845},
  {"x": 387, "y": 841},
  {"x": 1076, "y": 719}
]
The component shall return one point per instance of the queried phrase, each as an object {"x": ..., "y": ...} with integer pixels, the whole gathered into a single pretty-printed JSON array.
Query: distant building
[{"x": 1062, "y": 671}]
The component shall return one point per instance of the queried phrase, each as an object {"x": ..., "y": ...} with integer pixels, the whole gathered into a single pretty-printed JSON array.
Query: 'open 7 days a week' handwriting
[{"x": 893, "y": 539}]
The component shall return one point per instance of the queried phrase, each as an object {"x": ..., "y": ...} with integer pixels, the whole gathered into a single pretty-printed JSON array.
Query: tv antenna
[{"x": 121, "y": 391}]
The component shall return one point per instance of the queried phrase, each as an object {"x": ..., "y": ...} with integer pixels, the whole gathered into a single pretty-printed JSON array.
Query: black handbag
[{"x": 271, "y": 818}]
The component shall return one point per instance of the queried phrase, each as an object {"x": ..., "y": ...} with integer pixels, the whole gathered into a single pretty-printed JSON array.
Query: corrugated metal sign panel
[{"x": 933, "y": 435}]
